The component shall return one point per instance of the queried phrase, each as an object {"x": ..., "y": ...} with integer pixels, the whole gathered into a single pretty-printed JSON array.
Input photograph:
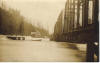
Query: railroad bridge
[{"x": 78, "y": 23}]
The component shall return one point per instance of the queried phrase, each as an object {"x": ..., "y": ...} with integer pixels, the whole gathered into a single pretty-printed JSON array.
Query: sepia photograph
[{"x": 49, "y": 30}]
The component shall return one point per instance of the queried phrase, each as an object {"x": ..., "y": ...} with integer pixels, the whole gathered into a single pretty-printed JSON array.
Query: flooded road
[{"x": 17, "y": 50}]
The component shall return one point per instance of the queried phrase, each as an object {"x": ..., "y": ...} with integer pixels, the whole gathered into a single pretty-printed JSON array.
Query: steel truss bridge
[{"x": 78, "y": 23}]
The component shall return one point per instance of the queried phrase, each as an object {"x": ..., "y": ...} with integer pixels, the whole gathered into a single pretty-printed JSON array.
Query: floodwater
[{"x": 29, "y": 51}]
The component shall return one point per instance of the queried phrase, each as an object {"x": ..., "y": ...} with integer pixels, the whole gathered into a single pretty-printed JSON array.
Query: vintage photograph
[{"x": 49, "y": 30}]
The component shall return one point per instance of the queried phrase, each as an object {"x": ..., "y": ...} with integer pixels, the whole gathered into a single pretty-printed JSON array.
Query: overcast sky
[{"x": 43, "y": 11}]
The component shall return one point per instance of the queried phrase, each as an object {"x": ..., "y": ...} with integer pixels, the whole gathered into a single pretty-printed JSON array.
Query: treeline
[
  {"x": 13, "y": 23},
  {"x": 42, "y": 31}
]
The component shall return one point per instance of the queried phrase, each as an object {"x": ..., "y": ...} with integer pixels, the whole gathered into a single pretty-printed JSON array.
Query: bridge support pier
[{"x": 90, "y": 52}]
